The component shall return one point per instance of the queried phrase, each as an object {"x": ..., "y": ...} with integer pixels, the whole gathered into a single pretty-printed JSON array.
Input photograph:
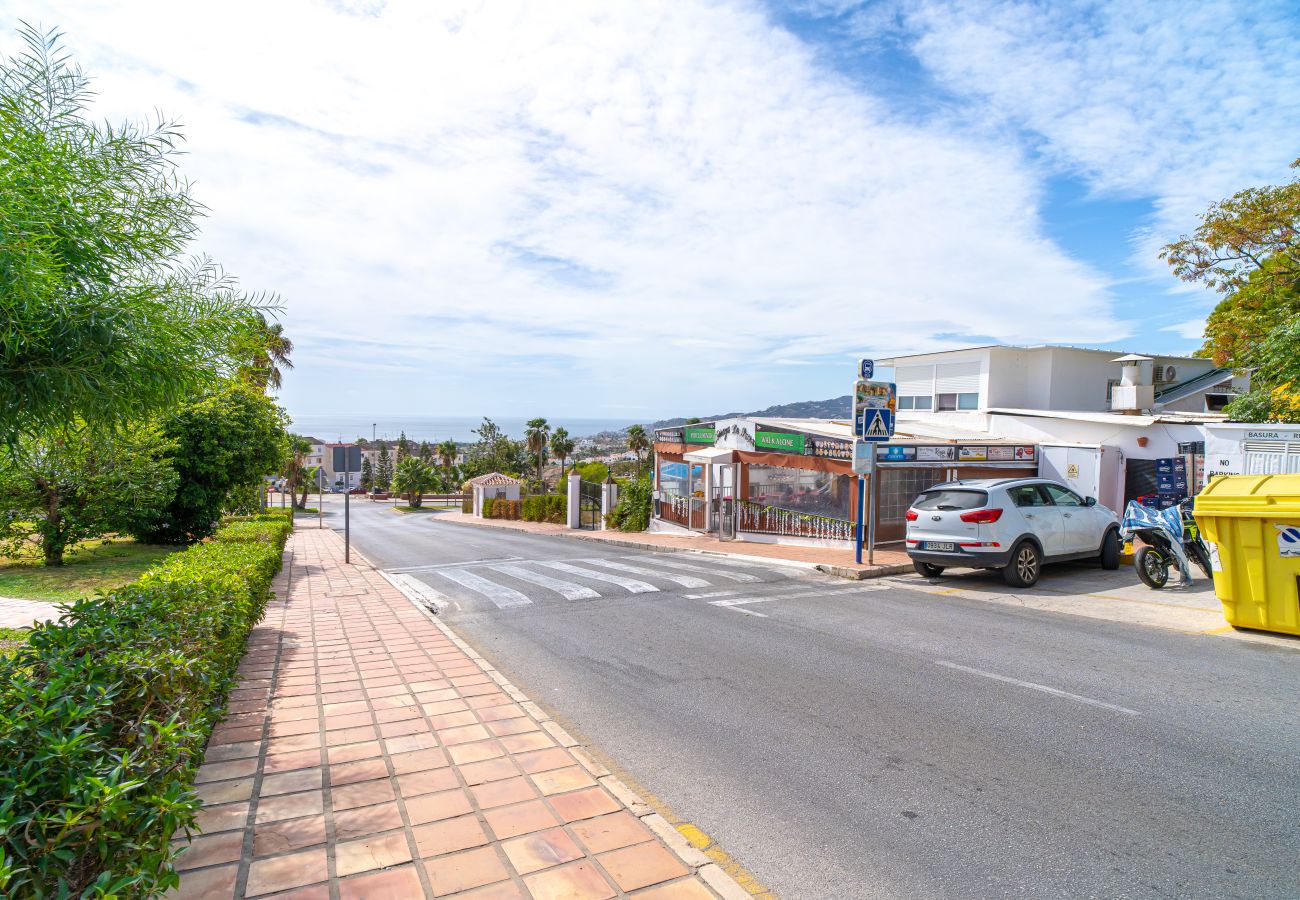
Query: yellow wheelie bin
[{"x": 1254, "y": 520}]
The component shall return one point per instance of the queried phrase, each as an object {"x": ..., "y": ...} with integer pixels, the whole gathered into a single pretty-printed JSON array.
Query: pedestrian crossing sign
[{"x": 876, "y": 424}]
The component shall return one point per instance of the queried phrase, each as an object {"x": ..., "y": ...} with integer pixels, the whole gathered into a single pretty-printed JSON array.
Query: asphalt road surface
[{"x": 862, "y": 739}]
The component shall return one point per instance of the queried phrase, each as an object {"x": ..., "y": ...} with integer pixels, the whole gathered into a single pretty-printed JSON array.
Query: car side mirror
[{"x": 1091, "y": 501}]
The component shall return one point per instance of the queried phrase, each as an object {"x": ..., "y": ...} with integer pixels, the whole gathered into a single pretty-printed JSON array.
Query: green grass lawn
[
  {"x": 11, "y": 639},
  {"x": 418, "y": 509},
  {"x": 98, "y": 565}
]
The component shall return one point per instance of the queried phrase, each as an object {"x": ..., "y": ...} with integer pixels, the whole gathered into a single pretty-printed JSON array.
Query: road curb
[{"x": 698, "y": 863}]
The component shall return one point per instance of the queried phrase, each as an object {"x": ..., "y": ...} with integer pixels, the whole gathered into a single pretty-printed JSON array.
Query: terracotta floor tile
[
  {"x": 364, "y": 820},
  {"x": 468, "y": 753},
  {"x": 541, "y": 850},
  {"x": 438, "y": 696},
  {"x": 521, "y": 743},
  {"x": 511, "y": 821},
  {"x": 215, "y": 792},
  {"x": 544, "y": 760},
  {"x": 211, "y": 819},
  {"x": 678, "y": 890},
  {"x": 642, "y": 866},
  {"x": 288, "y": 729},
  {"x": 290, "y": 782},
  {"x": 290, "y": 834},
  {"x": 408, "y": 742},
  {"x": 462, "y": 871},
  {"x": 611, "y": 832},
  {"x": 478, "y": 690},
  {"x": 376, "y": 851},
  {"x": 418, "y": 761},
  {"x": 435, "y": 807},
  {"x": 500, "y": 793},
  {"x": 347, "y": 720},
  {"x": 345, "y": 709},
  {"x": 226, "y": 752},
  {"x": 298, "y": 759},
  {"x": 280, "y": 873},
  {"x": 584, "y": 804},
  {"x": 489, "y": 770},
  {"x": 290, "y": 744},
  {"x": 360, "y": 770},
  {"x": 438, "y": 838},
  {"x": 398, "y": 714},
  {"x": 445, "y": 706},
  {"x": 350, "y": 735},
  {"x": 502, "y": 890},
  {"x": 315, "y": 892},
  {"x": 462, "y": 735},
  {"x": 427, "y": 782},
  {"x": 293, "y": 714},
  {"x": 241, "y": 733},
  {"x": 579, "y": 881},
  {"x": 453, "y": 719},
  {"x": 352, "y": 752},
  {"x": 496, "y": 713},
  {"x": 290, "y": 806},
  {"x": 559, "y": 781},
  {"x": 512, "y": 726},
  {"x": 224, "y": 771},
  {"x": 395, "y": 884},
  {"x": 483, "y": 701},
  {"x": 207, "y": 884},
  {"x": 208, "y": 850},
  {"x": 363, "y": 793}
]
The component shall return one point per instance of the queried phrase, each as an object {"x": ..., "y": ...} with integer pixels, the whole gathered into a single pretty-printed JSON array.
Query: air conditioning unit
[{"x": 1171, "y": 374}]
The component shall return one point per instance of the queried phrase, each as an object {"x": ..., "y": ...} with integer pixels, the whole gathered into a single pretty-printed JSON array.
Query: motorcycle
[{"x": 1169, "y": 537}]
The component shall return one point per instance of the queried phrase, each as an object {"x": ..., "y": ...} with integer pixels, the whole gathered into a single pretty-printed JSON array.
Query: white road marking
[
  {"x": 499, "y": 594},
  {"x": 743, "y": 601},
  {"x": 418, "y": 591},
  {"x": 1055, "y": 692},
  {"x": 457, "y": 565},
  {"x": 713, "y": 594},
  {"x": 567, "y": 589},
  {"x": 683, "y": 580},
  {"x": 636, "y": 587},
  {"x": 689, "y": 567}
]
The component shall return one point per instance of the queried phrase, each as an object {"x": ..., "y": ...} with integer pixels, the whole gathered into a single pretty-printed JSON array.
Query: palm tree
[
  {"x": 414, "y": 477},
  {"x": 535, "y": 439},
  {"x": 296, "y": 471},
  {"x": 638, "y": 442},
  {"x": 561, "y": 446},
  {"x": 269, "y": 356},
  {"x": 447, "y": 451}
]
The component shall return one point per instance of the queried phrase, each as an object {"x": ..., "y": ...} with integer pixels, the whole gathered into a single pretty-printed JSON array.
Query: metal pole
[
  {"x": 871, "y": 515},
  {"x": 347, "y": 505},
  {"x": 862, "y": 509},
  {"x": 320, "y": 501}
]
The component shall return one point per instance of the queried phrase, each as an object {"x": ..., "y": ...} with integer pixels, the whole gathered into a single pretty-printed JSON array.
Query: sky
[{"x": 646, "y": 209}]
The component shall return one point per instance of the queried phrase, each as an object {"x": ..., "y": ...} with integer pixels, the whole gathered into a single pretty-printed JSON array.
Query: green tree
[
  {"x": 425, "y": 453},
  {"x": 367, "y": 474},
  {"x": 403, "y": 449},
  {"x": 102, "y": 317},
  {"x": 495, "y": 452},
  {"x": 638, "y": 442},
  {"x": 447, "y": 452},
  {"x": 415, "y": 477},
  {"x": 224, "y": 444},
  {"x": 70, "y": 486},
  {"x": 1248, "y": 248},
  {"x": 383, "y": 469},
  {"x": 692, "y": 421},
  {"x": 266, "y": 351},
  {"x": 296, "y": 470},
  {"x": 632, "y": 511},
  {"x": 562, "y": 446},
  {"x": 535, "y": 438}
]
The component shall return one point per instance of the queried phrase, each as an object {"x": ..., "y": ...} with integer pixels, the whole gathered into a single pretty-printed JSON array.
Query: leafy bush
[
  {"x": 467, "y": 506},
  {"x": 505, "y": 509},
  {"x": 632, "y": 512},
  {"x": 557, "y": 506},
  {"x": 593, "y": 471},
  {"x": 488, "y": 503},
  {"x": 104, "y": 716}
]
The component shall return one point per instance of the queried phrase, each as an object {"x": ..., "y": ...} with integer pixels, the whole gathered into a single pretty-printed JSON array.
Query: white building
[{"x": 1053, "y": 378}]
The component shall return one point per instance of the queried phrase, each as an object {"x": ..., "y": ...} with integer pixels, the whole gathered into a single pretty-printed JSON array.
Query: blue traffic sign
[
  {"x": 874, "y": 424},
  {"x": 866, "y": 369}
]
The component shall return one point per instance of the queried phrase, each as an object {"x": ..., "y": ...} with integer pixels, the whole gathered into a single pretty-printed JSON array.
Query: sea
[{"x": 332, "y": 427}]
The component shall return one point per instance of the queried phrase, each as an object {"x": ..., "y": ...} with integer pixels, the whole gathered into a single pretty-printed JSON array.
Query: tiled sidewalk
[
  {"x": 886, "y": 561},
  {"x": 369, "y": 753},
  {"x": 15, "y": 613}
]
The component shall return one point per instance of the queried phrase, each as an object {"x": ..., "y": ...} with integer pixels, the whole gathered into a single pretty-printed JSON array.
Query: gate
[
  {"x": 726, "y": 518},
  {"x": 589, "y": 505}
]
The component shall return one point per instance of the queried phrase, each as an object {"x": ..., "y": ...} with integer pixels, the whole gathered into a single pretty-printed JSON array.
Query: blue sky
[{"x": 629, "y": 210}]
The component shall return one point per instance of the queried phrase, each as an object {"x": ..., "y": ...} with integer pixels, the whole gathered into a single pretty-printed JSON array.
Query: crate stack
[{"x": 1171, "y": 483}]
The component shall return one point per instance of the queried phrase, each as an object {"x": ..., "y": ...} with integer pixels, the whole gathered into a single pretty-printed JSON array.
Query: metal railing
[{"x": 760, "y": 519}]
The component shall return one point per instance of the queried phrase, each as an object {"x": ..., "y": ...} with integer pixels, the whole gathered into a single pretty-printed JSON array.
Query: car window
[
  {"x": 951, "y": 498},
  {"x": 1027, "y": 495},
  {"x": 1061, "y": 497}
]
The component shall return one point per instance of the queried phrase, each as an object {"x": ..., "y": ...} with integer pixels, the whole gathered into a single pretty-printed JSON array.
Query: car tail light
[
  {"x": 982, "y": 515},
  {"x": 912, "y": 515}
]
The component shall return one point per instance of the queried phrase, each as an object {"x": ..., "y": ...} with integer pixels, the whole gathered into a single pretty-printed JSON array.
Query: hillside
[{"x": 835, "y": 408}]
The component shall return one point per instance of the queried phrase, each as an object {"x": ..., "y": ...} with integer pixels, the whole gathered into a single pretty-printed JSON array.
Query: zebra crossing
[{"x": 514, "y": 583}]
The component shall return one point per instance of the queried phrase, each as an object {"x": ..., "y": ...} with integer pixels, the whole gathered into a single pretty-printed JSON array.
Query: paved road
[{"x": 861, "y": 740}]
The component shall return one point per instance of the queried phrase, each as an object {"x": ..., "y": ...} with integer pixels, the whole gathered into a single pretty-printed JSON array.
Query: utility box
[{"x": 1255, "y": 522}]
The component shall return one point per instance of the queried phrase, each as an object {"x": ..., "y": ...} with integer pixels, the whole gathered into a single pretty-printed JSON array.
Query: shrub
[
  {"x": 467, "y": 506},
  {"x": 104, "y": 716},
  {"x": 632, "y": 512},
  {"x": 488, "y": 503},
  {"x": 557, "y": 506}
]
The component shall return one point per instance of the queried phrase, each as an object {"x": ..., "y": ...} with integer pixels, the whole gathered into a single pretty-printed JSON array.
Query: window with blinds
[
  {"x": 1272, "y": 457},
  {"x": 957, "y": 378},
  {"x": 914, "y": 381}
]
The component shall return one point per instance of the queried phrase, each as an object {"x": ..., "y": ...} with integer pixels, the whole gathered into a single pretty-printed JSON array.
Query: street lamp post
[{"x": 347, "y": 505}]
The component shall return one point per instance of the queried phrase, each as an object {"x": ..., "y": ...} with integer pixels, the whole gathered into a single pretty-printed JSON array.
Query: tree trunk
[
  {"x": 53, "y": 537},
  {"x": 416, "y": 499}
]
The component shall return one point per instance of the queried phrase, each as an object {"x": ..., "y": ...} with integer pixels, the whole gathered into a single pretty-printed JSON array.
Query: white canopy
[{"x": 710, "y": 455}]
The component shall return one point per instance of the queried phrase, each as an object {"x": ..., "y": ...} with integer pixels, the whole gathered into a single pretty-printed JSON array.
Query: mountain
[{"x": 835, "y": 408}]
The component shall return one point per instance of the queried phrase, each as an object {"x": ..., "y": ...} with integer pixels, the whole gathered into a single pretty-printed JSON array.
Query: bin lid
[{"x": 1250, "y": 496}]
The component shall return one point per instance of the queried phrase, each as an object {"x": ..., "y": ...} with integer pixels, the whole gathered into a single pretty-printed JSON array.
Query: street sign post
[
  {"x": 864, "y": 464},
  {"x": 866, "y": 369},
  {"x": 874, "y": 403}
]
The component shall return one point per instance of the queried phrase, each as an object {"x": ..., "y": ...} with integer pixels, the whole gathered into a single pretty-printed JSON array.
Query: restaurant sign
[
  {"x": 700, "y": 434},
  {"x": 972, "y": 454},
  {"x": 776, "y": 440}
]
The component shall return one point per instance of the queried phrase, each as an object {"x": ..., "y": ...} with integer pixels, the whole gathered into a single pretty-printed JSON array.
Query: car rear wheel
[
  {"x": 927, "y": 570},
  {"x": 1110, "y": 550},
  {"x": 1025, "y": 566}
]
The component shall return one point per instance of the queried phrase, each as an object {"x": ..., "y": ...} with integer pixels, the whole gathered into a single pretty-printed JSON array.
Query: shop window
[
  {"x": 950, "y": 402},
  {"x": 674, "y": 481},
  {"x": 906, "y": 403},
  {"x": 801, "y": 490},
  {"x": 914, "y": 401},
  {"x": 968, "y": 401}
]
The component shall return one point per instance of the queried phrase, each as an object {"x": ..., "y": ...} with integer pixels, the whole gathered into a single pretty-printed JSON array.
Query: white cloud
[
  {"x": 1192, "y": 329},
  {"x": 508, "y": 207}
]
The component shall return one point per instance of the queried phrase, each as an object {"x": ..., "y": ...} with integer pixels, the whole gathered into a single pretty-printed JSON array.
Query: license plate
[{"x": 943, "y": 546}]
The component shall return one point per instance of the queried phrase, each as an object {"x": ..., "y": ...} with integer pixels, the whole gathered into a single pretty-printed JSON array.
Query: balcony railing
[{"x": 760, "y": 519}]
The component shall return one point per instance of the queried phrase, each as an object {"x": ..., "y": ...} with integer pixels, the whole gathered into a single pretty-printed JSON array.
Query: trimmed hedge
[
  {"x": 104, "y": 717},
  {"x": 544, "y": 508}
]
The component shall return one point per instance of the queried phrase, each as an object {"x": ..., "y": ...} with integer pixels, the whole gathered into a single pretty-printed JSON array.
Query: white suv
[{"x": 1012, "y": 524}]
